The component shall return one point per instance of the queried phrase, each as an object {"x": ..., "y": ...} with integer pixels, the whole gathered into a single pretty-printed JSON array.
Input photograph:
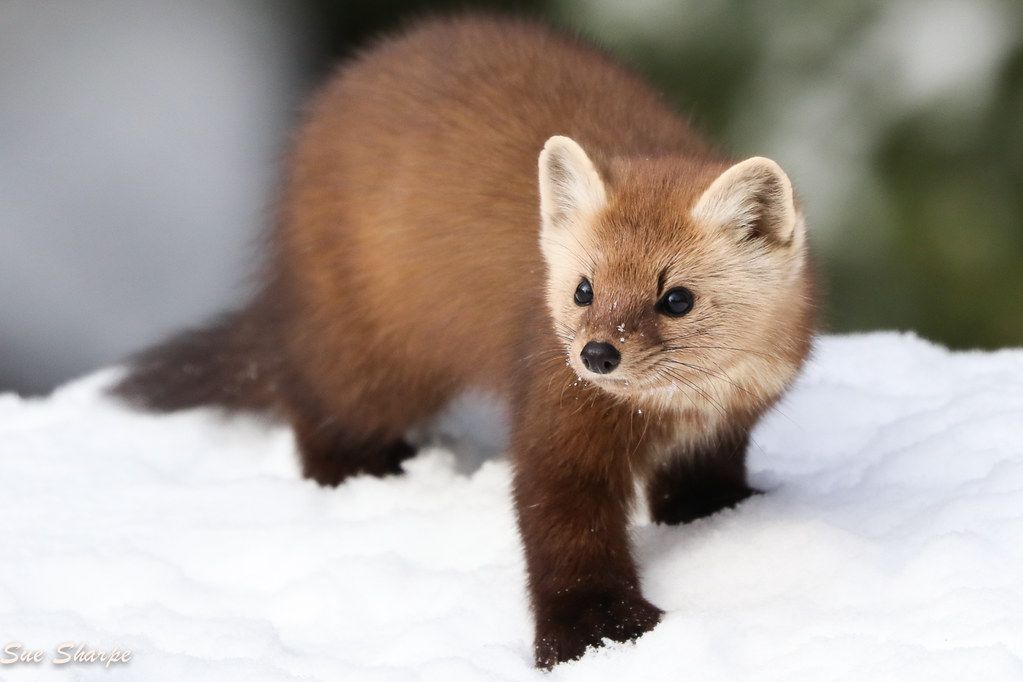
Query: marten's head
[{"x": 675, "y": 280}]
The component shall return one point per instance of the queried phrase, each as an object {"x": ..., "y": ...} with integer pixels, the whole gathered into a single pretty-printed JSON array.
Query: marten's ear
[
  {"x": 570, "y": 188},
  {"x": 753, "y": 197}
]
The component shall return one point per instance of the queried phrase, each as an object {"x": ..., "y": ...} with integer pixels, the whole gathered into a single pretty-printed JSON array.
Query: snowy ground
[{"x": 890, "y": 545}]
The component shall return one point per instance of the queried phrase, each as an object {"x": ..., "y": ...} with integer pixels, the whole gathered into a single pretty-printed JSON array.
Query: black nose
[{"x": 600, "y": 357}]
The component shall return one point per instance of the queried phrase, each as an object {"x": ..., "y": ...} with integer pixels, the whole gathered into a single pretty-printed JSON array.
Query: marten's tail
[{"x": 221, "y": 364}]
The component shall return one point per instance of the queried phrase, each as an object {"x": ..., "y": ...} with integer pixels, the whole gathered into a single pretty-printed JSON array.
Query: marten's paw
[
  {"x": 330, "y": 467},
  {"x": 683, "y": 506},
  {"x": 573, "y": 622}
]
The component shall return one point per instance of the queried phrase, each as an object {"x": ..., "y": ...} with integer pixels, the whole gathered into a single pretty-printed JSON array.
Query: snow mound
[{"x": 889, "y": 545}]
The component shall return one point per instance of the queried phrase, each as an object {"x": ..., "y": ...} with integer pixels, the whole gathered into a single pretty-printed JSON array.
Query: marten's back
[{"x": 409, "y": 228}]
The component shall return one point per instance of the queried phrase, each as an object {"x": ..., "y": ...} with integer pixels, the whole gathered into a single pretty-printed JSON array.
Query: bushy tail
[{"x": 220, "y": 364}]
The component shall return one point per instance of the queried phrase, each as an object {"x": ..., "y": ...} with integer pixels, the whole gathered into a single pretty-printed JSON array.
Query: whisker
[
  {"x": 771, "y": 356},
  {"x": 706, "y": 396},
  {"x": 720, "y": 374}
]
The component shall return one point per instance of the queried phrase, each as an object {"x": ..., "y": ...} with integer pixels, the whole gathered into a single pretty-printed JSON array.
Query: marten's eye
[
  {"x": 676, "y": 302},
  {"x": 584, "y": 293}
]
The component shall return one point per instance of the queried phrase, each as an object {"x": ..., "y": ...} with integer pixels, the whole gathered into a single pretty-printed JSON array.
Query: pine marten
[{"x": 484, "y": 203}]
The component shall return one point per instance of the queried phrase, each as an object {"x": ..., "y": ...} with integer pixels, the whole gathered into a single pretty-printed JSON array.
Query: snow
[{"x": 889, "y": 545}]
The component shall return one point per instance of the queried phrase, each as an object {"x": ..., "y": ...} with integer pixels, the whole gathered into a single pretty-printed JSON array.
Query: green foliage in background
[{"x": 900, "y": 121}]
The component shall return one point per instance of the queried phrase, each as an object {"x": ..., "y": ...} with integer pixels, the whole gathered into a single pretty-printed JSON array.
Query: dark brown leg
[
  {"x": 329, "y": 455},
  {"x": 692, "y": 485},
  {"x": 573, "y": 488},
  {"x": 335, "y": 444}
]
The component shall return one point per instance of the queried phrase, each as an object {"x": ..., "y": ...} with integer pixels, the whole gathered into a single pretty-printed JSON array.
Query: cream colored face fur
[{"x": 737, "y": 244}]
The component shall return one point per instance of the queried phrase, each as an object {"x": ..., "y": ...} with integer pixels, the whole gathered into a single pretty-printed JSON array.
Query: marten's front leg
[
  {"x": 573, "y": 490},
  {"x": 700, "y": 481}
]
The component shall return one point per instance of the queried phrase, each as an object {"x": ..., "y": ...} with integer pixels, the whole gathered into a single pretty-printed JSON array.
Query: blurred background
[{"x": 139, "y": 149}]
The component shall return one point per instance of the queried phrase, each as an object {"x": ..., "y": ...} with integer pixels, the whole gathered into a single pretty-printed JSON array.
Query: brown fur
[{"x": 406, "y": 267}]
